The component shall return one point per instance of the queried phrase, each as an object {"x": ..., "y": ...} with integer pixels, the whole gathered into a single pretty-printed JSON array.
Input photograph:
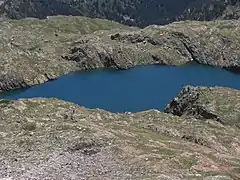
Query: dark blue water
[{"x": 137, "y": 89}]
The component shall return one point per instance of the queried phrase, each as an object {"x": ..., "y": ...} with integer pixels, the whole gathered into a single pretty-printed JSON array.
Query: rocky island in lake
[{"x": 196, "y": 137}]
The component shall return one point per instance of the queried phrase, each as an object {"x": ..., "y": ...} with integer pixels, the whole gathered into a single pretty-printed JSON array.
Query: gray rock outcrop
[{"x": 218, "y": 103}]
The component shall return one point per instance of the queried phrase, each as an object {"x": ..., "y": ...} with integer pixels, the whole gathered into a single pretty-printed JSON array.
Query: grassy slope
[{"x": 54, "y": 139}]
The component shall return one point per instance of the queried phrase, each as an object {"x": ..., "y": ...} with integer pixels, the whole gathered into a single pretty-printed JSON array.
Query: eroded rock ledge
[
  {"x": 34, "y": 51},
  {"x": 49, "y": 138},
  {"x": 209, "y": 43}
]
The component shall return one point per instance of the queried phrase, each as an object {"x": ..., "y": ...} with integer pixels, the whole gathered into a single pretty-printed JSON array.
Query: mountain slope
[{"x": 134, "y": 12}]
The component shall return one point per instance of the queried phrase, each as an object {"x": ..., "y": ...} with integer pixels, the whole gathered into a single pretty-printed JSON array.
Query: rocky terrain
[
  {"x": 133, "y": 12},
  {"x": 198, "y": 135},
  {"x": 34, "y": 51},
  {"x": 52, "y": 139},
  {"x": 220, "y": 104}
]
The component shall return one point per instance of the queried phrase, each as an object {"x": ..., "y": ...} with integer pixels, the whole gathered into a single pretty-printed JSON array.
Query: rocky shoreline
[
  {"x": 53, "y": 139},
  {"x": 35, "y": 51},
  {"x": 31, "y": 49}
]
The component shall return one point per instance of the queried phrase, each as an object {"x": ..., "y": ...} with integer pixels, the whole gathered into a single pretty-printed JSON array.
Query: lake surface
[{"x": 137, "y": 89}]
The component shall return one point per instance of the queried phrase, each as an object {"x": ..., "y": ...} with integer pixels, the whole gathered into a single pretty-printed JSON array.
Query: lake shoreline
[
  {"x": 137, "y": 89},
  {"x": 36, "y": 51}
]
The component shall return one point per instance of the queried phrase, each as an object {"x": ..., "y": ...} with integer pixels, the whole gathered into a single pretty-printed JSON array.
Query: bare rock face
[
  {"x": 52, "y": 139},
  {"x": 220, "y": 104}
]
